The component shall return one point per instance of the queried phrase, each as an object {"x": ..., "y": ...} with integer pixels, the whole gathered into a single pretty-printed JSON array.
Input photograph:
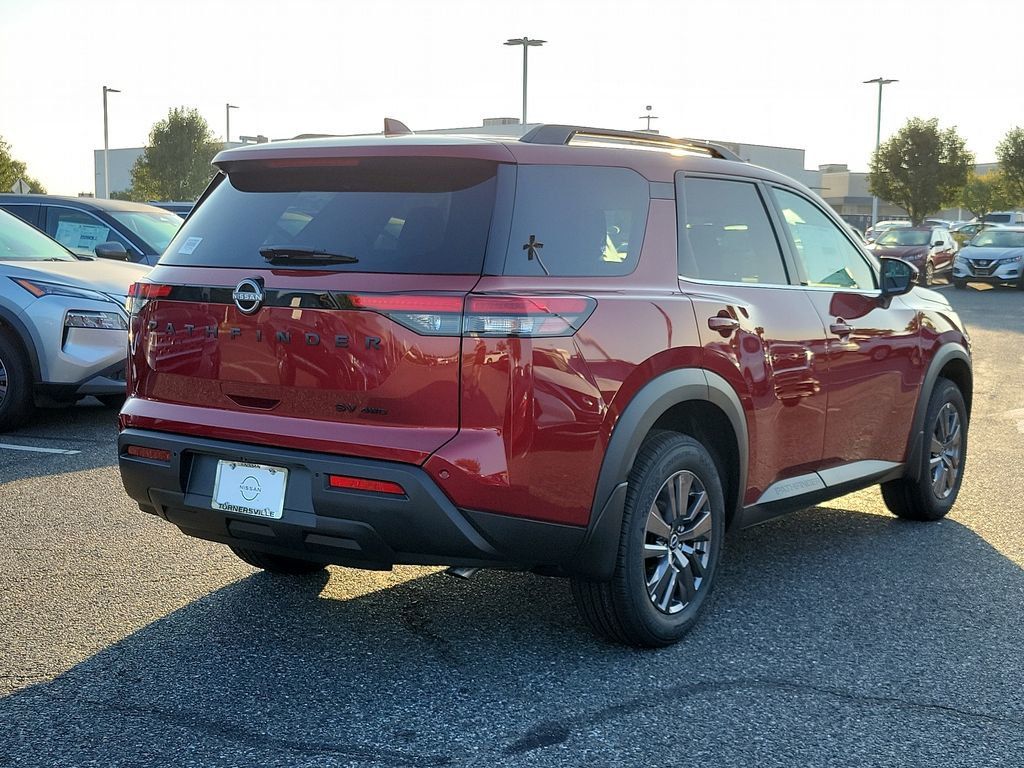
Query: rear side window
[
  {"x": 577, "y": 220},
  {"x": 392, "y": 214},
  {"x": 725, "y": 234}
]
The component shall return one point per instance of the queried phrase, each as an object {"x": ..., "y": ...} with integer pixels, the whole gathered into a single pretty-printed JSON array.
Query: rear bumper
[{"x": 353, "y": 528}]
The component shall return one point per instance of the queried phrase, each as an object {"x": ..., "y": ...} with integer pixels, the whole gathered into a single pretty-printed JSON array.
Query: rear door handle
[
  {"x": 724, "y": 325},
  {"x": 841, "y": 328}
]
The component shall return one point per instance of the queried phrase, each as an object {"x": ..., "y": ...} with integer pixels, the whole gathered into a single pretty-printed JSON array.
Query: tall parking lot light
[
  {"x": 106, "y": 142},
  {"x": 227, "y": 126},
  {"x": 526, "y": 43},
  {"x": 878, "y": 138}
]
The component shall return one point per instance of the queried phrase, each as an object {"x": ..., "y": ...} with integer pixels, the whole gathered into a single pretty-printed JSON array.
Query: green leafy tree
[
  {"x": 921, "y": 169},
  {"x": 1010, "y": 153},
  {"x": 986, "y": 193},
  {"x": 11, "y": 170},
  {"x": 176, "y": 162}
]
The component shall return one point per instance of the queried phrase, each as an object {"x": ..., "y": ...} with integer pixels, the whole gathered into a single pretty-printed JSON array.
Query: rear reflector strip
[
  {"x": 362, "y": 484},
  {"x": 155, "y": 454}
]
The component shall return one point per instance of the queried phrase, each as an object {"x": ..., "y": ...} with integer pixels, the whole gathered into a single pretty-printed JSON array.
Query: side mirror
[
  {"x": 898, "y": 277},
  {"x": 939, "y": 242},
  {"x": 112, "y": 250}
]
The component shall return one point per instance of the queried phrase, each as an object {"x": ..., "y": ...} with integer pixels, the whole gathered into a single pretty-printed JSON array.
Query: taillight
[
  {"x": 426, "y": 314},
  {"x": 481, "y": 315},
  {"x": 531, "y": 316},
  {"x": 140, "y": 293}
]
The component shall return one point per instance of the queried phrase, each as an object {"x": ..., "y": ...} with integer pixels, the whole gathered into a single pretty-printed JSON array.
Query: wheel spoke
[
  {"x": 687, "y": 584},
  {"x": 670, "y": 588},
  {"x": 656, "y": 525},
  {"x": 937, "y": 446},
  {"x": 655, "y": 550},
  {"x": 682, "y": 483},
  {"x": 659, "y": 573},
  {"x": 699, "y": 529}
]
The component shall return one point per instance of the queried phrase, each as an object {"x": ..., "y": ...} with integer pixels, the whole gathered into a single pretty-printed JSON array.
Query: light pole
[
  {"x": 526, "y": 43},
  {"x": 106, "y": 142},
  {"x": 878, "y": 138},
  {"x": 227, "y": 120}
]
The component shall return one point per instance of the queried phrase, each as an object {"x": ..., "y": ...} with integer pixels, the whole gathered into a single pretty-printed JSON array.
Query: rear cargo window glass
[
  {"x": 399, "y": 215},
  {"x": 577, "y": 220}
]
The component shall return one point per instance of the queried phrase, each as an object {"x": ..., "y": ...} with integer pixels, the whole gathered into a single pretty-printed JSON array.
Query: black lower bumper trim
[{"x": 360, "y": 529}]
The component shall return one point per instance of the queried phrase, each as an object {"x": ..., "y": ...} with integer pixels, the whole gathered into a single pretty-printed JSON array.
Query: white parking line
[{"x": 62, "y": 451}]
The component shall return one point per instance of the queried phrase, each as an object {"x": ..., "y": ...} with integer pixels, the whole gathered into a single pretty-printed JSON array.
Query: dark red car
[
  {"x": 584, "y": 353},
  {"x": 930, "y": 249}
]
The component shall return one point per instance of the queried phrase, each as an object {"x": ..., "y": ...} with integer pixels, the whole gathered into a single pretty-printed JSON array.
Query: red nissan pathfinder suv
[{"x": 584, "y": 352}]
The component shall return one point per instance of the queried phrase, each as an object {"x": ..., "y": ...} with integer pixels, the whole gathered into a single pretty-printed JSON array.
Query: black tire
[
  {"x": 919, "y": 499},
  {"x": 111, "y": 401},
  {"x": 277, "y": 563},
  {"x": 959, "y": 283},
  {"x": 16, "y": 403},
  {"x": 622, "y": 609}
]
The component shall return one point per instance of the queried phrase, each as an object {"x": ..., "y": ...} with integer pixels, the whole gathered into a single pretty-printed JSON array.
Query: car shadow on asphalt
[
  {"x": 88, "y": 428},
  {"x": 854, "y": 624}
]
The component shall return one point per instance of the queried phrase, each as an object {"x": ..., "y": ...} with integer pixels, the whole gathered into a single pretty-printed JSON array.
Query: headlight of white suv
[{"x": 87, "y": 318}]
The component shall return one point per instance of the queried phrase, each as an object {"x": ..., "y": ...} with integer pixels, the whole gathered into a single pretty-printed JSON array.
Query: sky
[{"x": 776, "y": 72}]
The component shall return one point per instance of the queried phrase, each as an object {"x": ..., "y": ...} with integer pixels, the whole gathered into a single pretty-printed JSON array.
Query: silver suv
[{"x": 63, "y": 328}]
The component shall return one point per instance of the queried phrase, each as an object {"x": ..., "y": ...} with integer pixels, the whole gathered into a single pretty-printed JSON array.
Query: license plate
[{"x": 250, "y": 489}]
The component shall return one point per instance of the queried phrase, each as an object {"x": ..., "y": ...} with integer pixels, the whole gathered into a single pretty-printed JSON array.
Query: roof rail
[{"x": 564, "y": 134}]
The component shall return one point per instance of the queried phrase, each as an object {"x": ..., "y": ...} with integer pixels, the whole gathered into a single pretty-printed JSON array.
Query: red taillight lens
[
  {"x": 531, "y": 316},
  {"x": 362, "y": 484},
  {"x": 140, "y": 293},
  {"x": 154, "y": 454},
  {"x": 426, "y": 314},
  {"x": 149, "y": 291}
]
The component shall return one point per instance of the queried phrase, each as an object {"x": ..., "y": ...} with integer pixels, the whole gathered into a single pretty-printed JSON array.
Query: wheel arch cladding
[
  {"x": 678, "y": 400},
  {"x": 953, "y": 362},
  {"x": 15, "y": 330}
]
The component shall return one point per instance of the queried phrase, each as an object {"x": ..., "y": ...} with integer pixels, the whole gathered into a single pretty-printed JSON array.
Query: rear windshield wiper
[{"x": 298, "y": 254}]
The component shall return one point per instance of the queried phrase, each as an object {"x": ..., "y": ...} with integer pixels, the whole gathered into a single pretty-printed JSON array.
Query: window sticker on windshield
[
  {"x": 76, "y": 235},
  {"x": 190, "y": 245}
]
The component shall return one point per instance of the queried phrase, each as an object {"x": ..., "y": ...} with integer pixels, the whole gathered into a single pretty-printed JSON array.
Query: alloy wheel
[
  {"x": 3, "y": 382},
  {"x": 677, "y": 542},
  {"x": 944, "y": 460}
]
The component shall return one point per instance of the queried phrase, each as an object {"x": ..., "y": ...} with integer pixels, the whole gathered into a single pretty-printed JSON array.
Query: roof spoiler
[{"x": 564, "y": 134}]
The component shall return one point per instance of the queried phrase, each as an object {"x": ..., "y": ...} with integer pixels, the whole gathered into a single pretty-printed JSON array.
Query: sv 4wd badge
[{"x": 369, "y": 410}]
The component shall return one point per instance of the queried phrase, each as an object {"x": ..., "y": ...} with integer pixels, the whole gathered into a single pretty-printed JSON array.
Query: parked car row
[{"x": 63, "y": 325}]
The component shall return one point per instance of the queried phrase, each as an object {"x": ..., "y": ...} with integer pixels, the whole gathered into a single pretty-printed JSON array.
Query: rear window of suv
[
  {"x": 579, "y": 220},
  {"x": 393, "y": 214}
]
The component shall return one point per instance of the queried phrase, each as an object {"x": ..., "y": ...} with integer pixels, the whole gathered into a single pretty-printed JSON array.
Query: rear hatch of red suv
[{"x": 315, "y": 302}]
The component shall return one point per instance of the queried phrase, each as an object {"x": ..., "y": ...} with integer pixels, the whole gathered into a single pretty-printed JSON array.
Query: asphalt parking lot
[{"x": 837, "y": 636}]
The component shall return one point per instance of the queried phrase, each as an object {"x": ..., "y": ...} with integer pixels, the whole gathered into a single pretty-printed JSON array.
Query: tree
[
  {"x": 984, "y": 194},
  {"x": 11, "y": 170},
  {"x": 921, "y": 168},
  {"x": 176, "y": 163},
  {"x": 1010, "y": 153}
]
